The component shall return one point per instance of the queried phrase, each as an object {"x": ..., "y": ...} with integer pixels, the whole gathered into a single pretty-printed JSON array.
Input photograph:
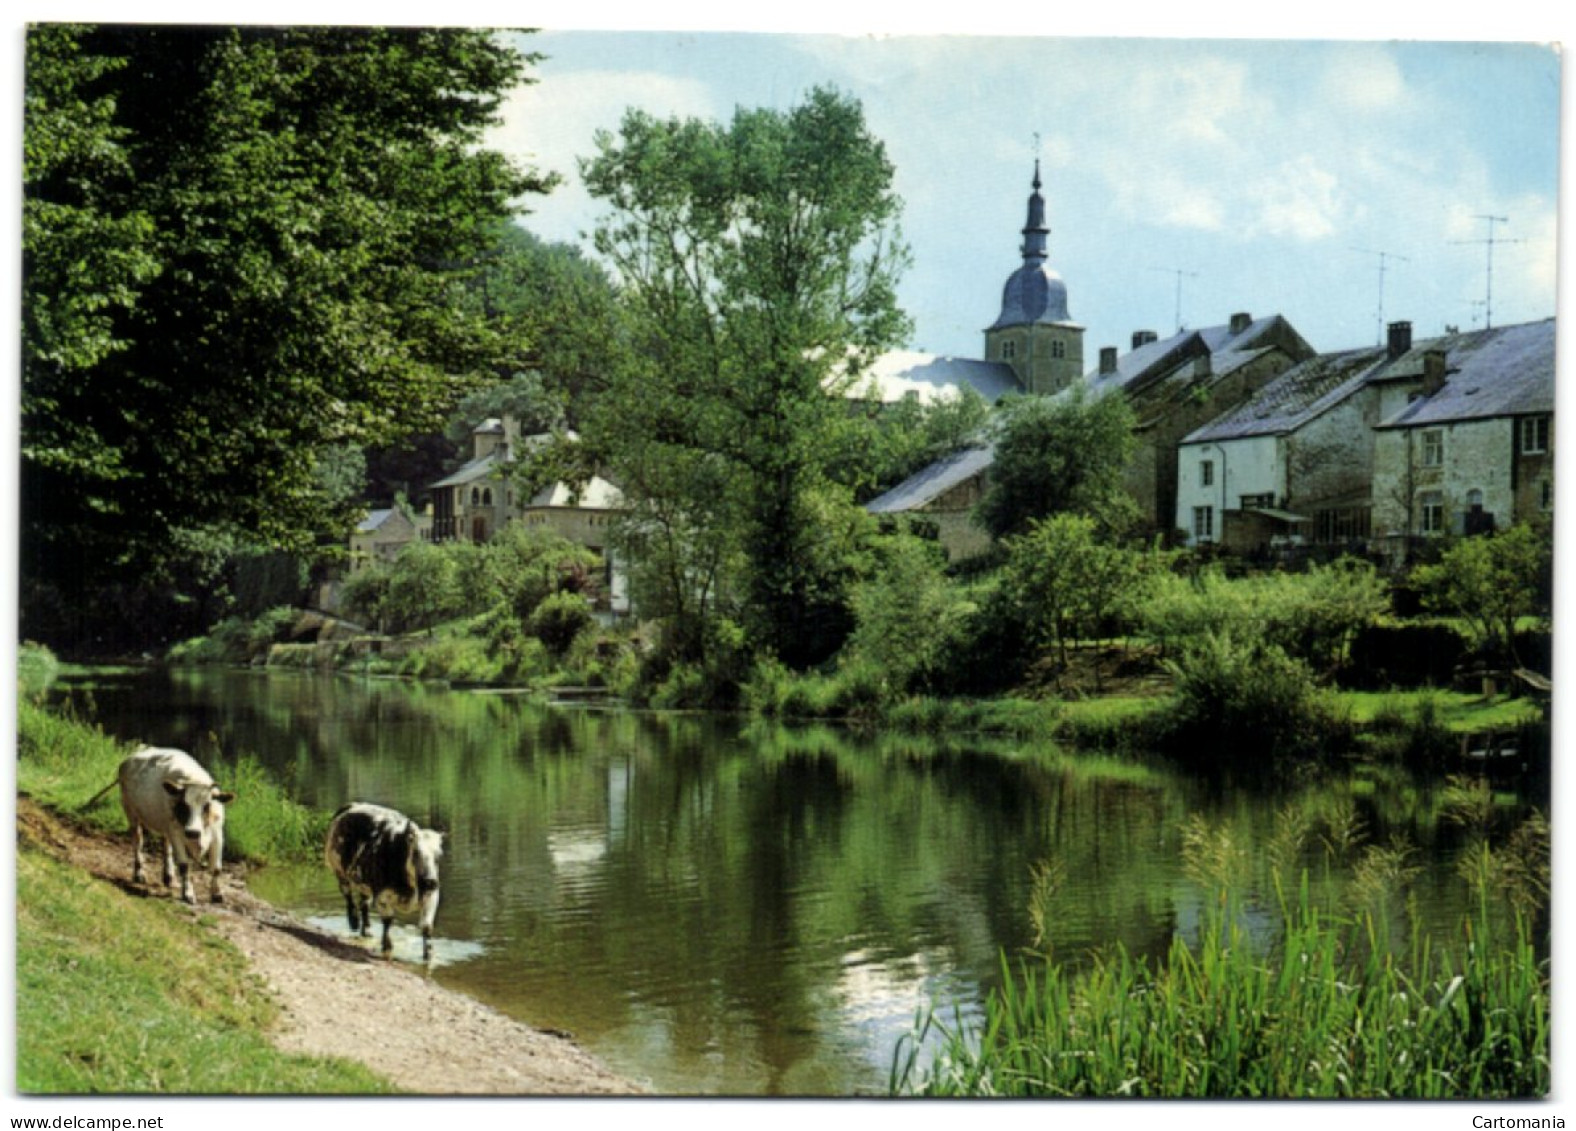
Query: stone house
[
  {"x": 1364, "y": 449},
  {"x": 1179, "y": 383},
  {"x": 382, "y": 534},
  {"x": 1467, "y": 439}
]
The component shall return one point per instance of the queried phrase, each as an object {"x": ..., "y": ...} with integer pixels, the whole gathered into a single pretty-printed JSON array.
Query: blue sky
[{"x": 1245, "y": 170}]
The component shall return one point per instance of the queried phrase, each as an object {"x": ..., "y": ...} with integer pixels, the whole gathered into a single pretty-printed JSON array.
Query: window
[
  {"x": 1534, "y": 435},
  {"x": 1433, "y": 449},
  {"x": 1206, "y": 473},
  {"x": 476, "y": 496},
  {"x": 1431, "y": 505},
  {"x": 1203, "y": 524},
  {"x": 1009, "y": 350},
  {"x": 1343, "y": 524},
  {"x": 487, "y": 497},
  {"x": 1058, "y": 349},
  {"x": 1249, "y": 502}
]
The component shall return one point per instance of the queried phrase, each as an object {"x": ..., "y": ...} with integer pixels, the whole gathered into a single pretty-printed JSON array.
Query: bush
[
  {"x": 1245, "y": 705},
  {"x": 36, "y": 670},
  {"x": 559, "y": 618}
]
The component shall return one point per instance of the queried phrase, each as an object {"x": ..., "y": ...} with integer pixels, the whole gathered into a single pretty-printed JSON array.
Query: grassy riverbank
[{"x": 119, "y": 994}]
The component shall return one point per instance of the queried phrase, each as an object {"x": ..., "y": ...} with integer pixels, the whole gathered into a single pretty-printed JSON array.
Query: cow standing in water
[
  {"x": 384, "y": 863},
  {"x": 167, "y": 793}
]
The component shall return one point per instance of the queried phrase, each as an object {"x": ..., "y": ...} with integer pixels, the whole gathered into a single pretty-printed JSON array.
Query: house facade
[
  {"x": 1475, "y": 452},
  {"x": 1368, "y": 450}
]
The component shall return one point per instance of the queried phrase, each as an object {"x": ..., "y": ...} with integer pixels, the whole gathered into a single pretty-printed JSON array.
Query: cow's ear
[
  {"x": 224, "y": 795},
  {"x": 174, "y": 788}
]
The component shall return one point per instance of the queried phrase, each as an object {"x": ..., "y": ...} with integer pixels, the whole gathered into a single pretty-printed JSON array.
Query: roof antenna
[
  {"x": 1379, "y": 317},
  {"x": 1488, "y": 292},
  {"x": 1179, "y": 273}
]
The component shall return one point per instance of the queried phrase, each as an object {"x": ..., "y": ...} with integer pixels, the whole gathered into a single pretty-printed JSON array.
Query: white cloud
[
  {"x": 552, "y": 124},
  {"x": 1298, "y": 199},
  {"x": 1364, "y": 79}
]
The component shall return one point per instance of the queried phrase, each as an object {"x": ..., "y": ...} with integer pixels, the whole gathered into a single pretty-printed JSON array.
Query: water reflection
[{"x": 721, "y": 907}]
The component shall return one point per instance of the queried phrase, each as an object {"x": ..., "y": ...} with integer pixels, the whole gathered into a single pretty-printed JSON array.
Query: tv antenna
[
  {"x": 1384, "y": 258},
  {"x": 1490, "y": 241},
  {"x": 1180, "y": 274}
]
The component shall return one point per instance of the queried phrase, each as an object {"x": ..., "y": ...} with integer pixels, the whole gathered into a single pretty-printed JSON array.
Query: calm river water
[{"x": 713, "y": 905}]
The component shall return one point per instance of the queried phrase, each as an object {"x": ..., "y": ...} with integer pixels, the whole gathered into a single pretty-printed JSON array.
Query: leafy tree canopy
[
  {"x": 758, "y": 262},
  {"x": 242, "y": 250},
  {"x": 1059, "y": 454}
]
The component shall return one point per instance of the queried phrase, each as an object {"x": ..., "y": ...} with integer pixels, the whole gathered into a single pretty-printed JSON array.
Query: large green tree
[
  {"x": 1061, "y": 454},
  {"x": 243, "y": 249},
  {"x": 758, "y": 262}
]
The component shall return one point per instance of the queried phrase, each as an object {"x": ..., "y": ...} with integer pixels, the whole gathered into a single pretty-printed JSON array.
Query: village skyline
[{"x": 1185, "y": 179}]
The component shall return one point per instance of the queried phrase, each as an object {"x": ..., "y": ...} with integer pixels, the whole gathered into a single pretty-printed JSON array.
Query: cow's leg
[
  {"x": 187, "y": 892},
  {"x": 426, "y": 942},
  {"x": 388, "y": 945},
  {"x": 350, "y": 907},
  {"x": 215, "y": 867},
  {"x": 366, "y": 916},
  {"x": 169, "y": 862},
  {"x": 136, "y": 853}
]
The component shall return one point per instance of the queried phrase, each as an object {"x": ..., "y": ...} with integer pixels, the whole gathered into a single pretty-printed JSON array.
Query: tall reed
[{"x": 1329, "y": 1009}]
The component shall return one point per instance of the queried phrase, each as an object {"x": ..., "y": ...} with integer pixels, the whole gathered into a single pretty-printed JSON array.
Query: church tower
[{"x": 1034, "y": 332}]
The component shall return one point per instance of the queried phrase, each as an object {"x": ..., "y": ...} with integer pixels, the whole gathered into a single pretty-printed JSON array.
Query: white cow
[{"x": 167, "y": 793}]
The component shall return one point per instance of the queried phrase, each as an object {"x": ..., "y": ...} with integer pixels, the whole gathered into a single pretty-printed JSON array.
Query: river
[{"x": 718, "y": 906}]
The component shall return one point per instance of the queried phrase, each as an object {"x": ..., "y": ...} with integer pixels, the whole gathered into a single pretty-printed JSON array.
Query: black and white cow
[
  {"x": 385, "y": 864},
  {"x": 167, "y": 793}
]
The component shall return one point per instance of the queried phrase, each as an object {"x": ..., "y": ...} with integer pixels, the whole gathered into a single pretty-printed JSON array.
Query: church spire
[{"x": 1036, "y": 232}]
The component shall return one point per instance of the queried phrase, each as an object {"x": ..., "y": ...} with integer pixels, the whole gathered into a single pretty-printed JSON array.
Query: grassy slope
[{"x": 115, "y": 994}]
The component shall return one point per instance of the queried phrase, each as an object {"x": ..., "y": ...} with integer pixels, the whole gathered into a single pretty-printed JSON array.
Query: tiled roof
[
  {"x": 374, "y": 520},
  {"x": 934, "y": 481},
  {"x": 472, "y": 471}
]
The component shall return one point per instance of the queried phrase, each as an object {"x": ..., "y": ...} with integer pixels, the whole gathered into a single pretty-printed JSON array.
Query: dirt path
[{"x": 419, "y": 1035}]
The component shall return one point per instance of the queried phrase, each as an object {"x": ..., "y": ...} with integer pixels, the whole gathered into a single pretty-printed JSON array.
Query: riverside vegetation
[{"x": 1325, "y": 1005}]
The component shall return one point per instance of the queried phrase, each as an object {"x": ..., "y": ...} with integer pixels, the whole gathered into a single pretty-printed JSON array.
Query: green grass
[
  {"x": 1324, "y": 1010},
  {"x": 63, "y": 760},
  {"x": 118, "y": 994},
  {"x": 1458, "y": 711}
]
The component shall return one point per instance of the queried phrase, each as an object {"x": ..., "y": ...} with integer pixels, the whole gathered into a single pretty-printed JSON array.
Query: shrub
[
  {"x": 1244, "y": 704},
  {"x": 559, "y": 618},
  {"x": 36, "y": 669}
]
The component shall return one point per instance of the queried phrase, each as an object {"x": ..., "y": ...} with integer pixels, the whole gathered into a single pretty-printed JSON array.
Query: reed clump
[{"x": 1327, "y": 1007}]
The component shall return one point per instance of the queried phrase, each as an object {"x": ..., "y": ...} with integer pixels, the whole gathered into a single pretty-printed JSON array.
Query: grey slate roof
[
  {"x": 934, "y": 481},
  {"x": 1227, "y": 351},
  {"x": 1295, "y": 397},
  {"x": 1034, "y": 295},
  {"x": 930, "y": 377},
  {"x": 470, "y": 472},
  {"x": 374, "y": 520},
  {"x": 1503, "y": 371}
]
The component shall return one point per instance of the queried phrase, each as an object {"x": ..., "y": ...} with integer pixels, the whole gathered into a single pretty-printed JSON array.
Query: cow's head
[{"x": 198, "y": 807}]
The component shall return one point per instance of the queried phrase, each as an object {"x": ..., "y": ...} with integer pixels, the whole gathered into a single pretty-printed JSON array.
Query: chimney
[
  {"x": 1400, "y": 339},
  {"x": 1107, "y": 359},
  {"x": 1240, "y": 322},
  {"x": 1143, "y": 338},
  {"x": 1433, "y": 372}
]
